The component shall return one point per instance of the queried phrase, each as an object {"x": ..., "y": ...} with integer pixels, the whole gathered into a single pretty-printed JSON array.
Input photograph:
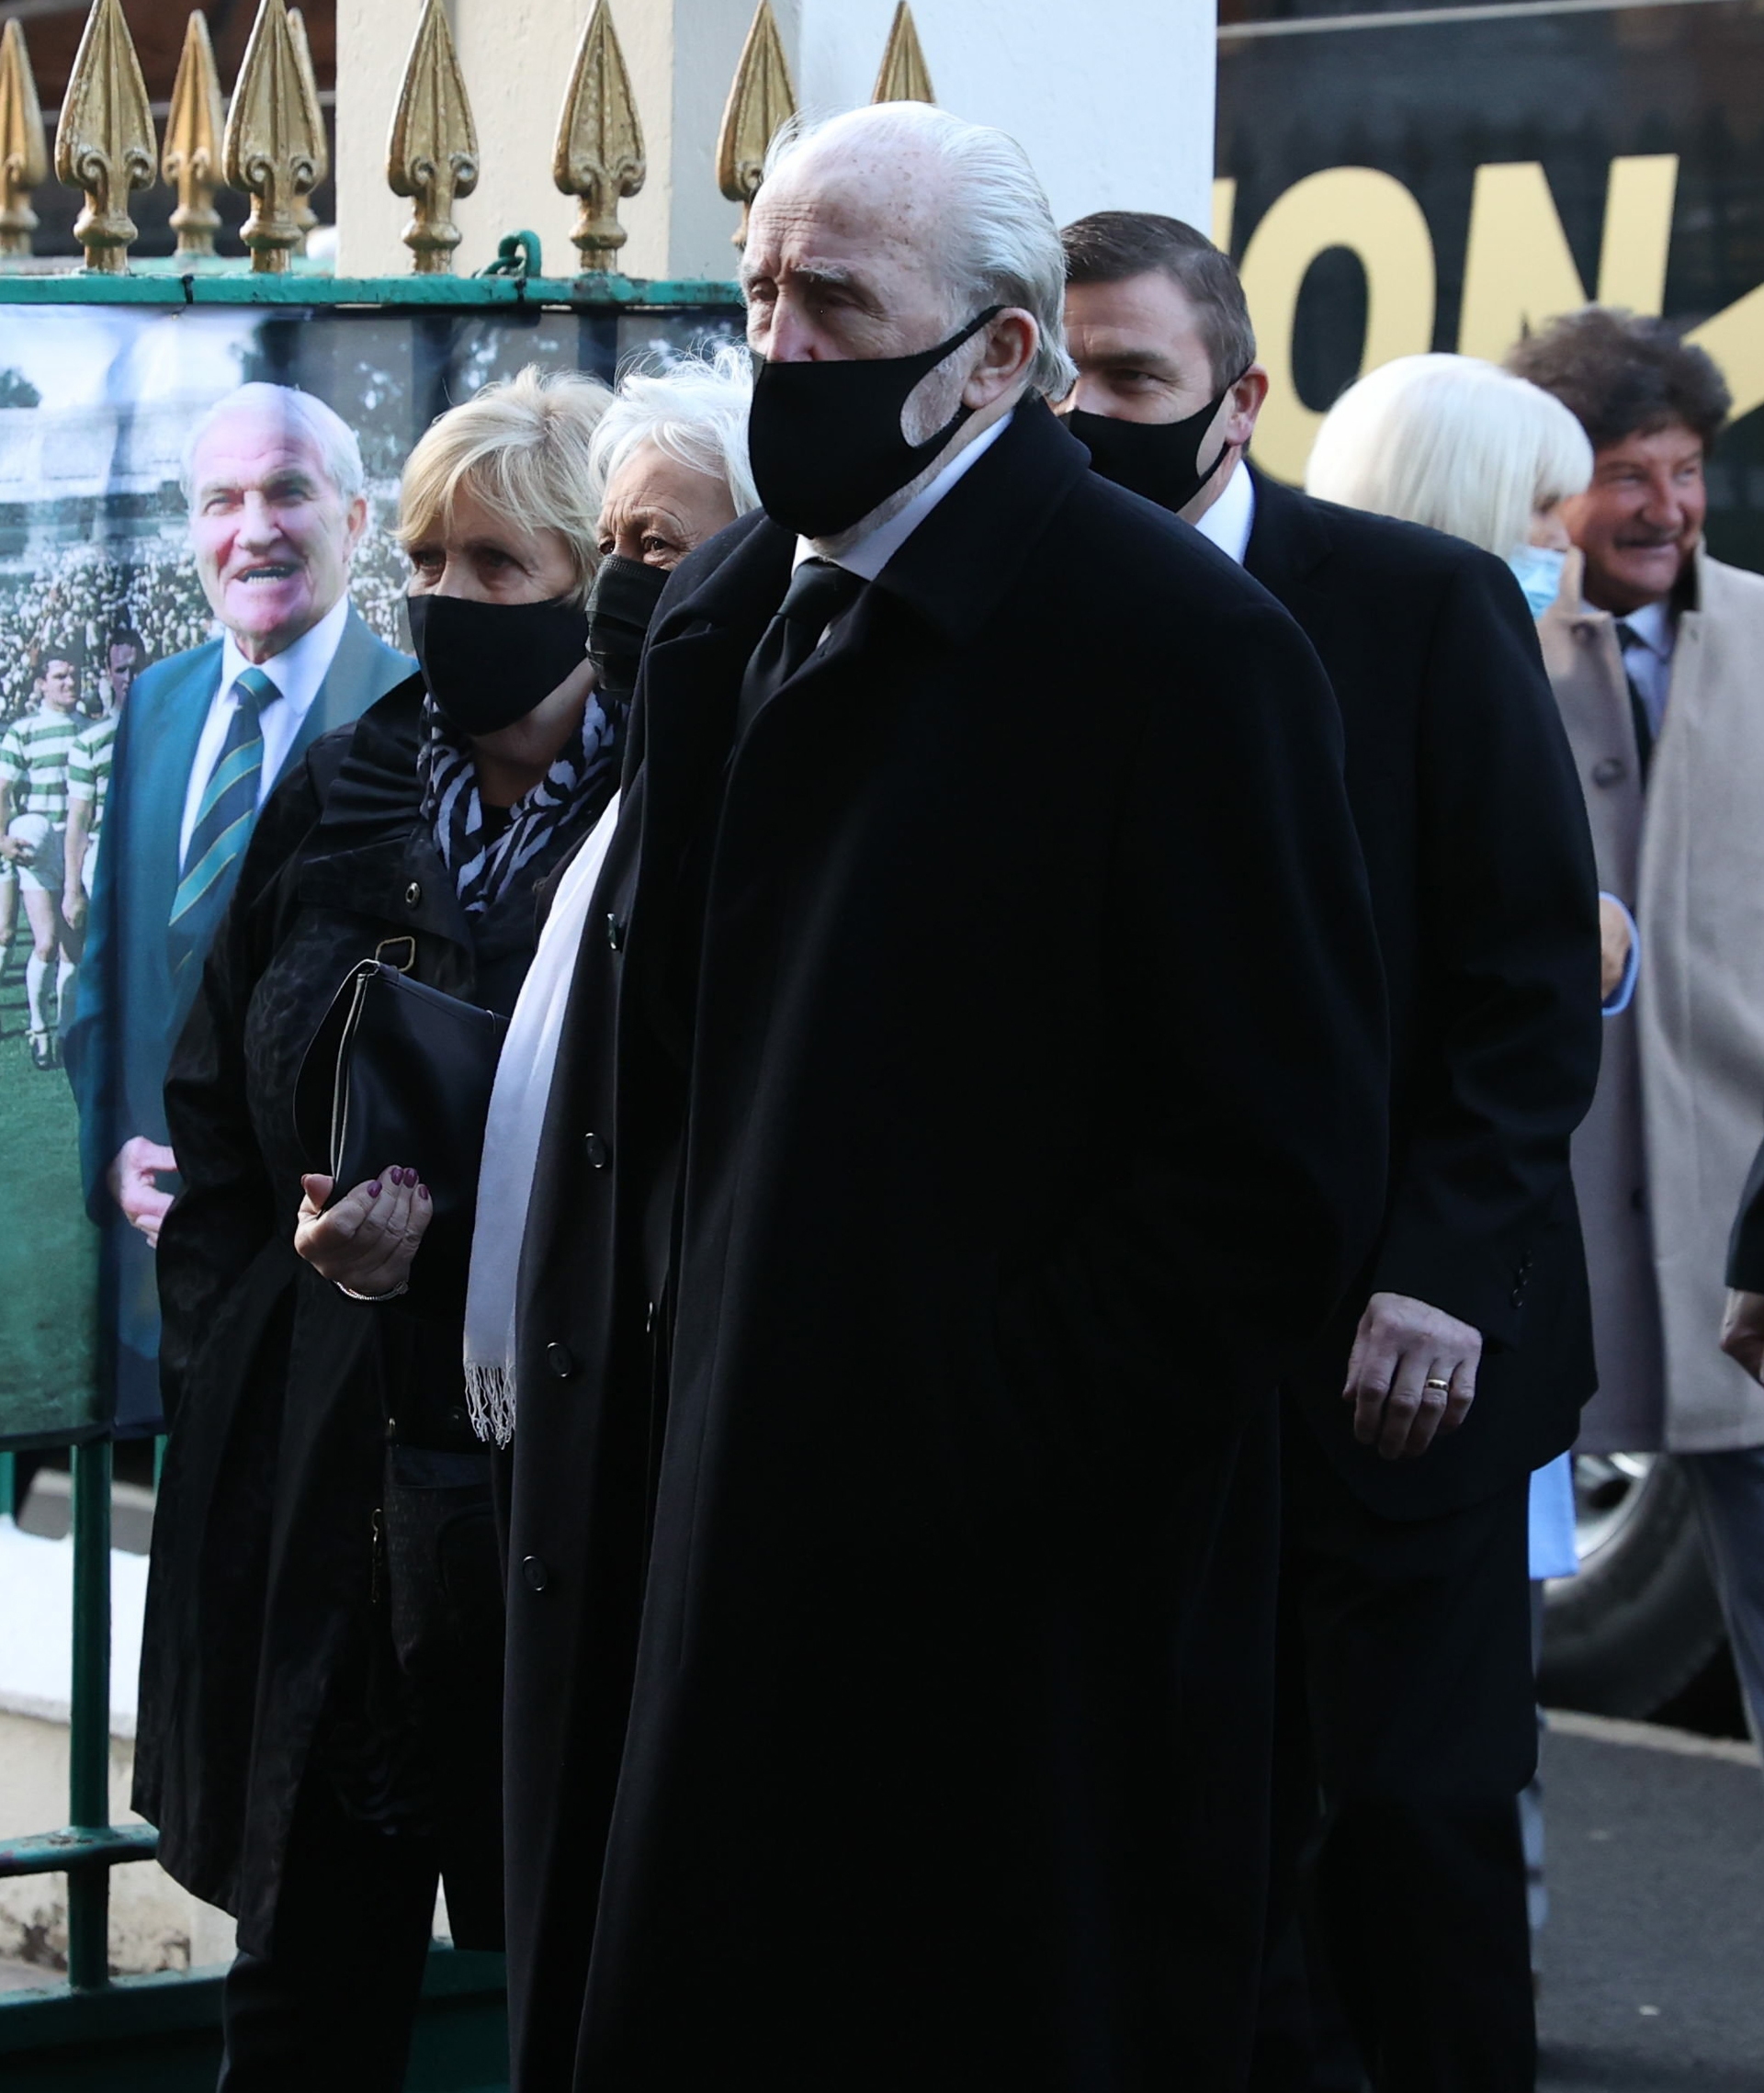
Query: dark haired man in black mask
[
  {"x": 970, "y": 1101},
  {"x": 1460, "y": 1357}
]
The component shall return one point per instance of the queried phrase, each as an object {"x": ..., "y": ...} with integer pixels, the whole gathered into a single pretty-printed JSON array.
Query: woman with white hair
[
  {"x": 1465, "y": 447},
  {"x": 320, "y": 1735},
  {"x": 667, "y": 469}
]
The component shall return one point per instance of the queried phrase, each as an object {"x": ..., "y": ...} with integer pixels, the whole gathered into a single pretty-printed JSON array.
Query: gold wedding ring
[{"x": 1433, "y": 1381}]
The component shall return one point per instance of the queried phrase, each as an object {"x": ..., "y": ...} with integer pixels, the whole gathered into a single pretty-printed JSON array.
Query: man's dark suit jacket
[
  {"x": 1476, "y": 840},
  {"x": 1032, "y": 1038},
  {"x": 132, "y": 999}
]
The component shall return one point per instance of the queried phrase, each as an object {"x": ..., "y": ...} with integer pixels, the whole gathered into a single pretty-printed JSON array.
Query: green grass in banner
[{"x": 48, "y": 1248}]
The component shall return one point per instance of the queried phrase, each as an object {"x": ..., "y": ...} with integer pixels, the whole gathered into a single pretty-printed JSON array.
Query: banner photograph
[{"x": 198, "y": 578}]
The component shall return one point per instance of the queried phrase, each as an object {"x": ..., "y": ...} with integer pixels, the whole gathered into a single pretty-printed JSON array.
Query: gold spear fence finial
[
  {"x": 275, "y": 142},
  {"x": 104, "y": 143},
  {"x": 23, "y": 162},
  {"x": 432, "y": 155},
  {"x": 904, "y": 77},
  {"x": 190, "y": 161},
  {"x": 599, "y": 155},
  {"x": 305, "y": 217},
  {"x": 761, "y": 100}
]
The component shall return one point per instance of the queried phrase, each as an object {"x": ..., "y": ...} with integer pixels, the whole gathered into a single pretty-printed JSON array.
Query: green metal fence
[{"x": 74, "y": 2035}]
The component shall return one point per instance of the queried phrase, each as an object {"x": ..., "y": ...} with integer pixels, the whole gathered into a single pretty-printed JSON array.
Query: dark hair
[
  {"x": 125, "y": 635},
  {"x": 1112, "y": 246},
  {"x": 58, "y": 648},
  {"x": 1621, "y": 375}
]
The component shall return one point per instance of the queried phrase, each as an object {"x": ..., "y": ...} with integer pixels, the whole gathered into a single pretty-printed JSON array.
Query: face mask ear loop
[{"x": 1224, "y": 447}]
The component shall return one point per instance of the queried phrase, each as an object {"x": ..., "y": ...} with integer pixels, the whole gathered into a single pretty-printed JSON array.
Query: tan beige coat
[{"x": 1661, "y": 1158}]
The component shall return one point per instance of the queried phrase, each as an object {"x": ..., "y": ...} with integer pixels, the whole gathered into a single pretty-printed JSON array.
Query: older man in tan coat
[{"x": 1656, "y": 660}]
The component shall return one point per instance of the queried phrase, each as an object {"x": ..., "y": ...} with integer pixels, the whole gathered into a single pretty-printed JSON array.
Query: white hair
[
  {"x": 694, "y": 410},
  {"x": 1452, "y": 442},
  {"x": 1001, "y": 246},
  {"x": 303, "y": 412}
]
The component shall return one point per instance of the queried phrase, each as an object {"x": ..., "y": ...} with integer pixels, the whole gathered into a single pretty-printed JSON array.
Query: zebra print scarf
[{"x": 483, "y": 867}]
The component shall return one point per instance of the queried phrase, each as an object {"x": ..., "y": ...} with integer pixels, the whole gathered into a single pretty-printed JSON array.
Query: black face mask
[
  {"x": 1160, "y": 461},
  {"x": 620, "y": 612},
  {"x": 824, "y": 439},
  {"x": 488, "y": 665}
]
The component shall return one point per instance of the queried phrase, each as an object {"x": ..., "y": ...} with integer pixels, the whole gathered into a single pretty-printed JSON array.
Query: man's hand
[
  {"x": 1411, "y": 1376},
  {"x": 13, "y": 847},
  {"x": 1742, "y": 1332},
  {"x": 1614, "y": 948},
  {"x": 73, "y": 908},
  {"x": 134, "y": 1180},
  {"x": 368, "y": 1241}
]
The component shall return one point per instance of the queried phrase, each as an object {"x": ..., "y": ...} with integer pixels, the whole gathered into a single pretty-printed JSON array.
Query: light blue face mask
[{"x": 1538, "y": 571}]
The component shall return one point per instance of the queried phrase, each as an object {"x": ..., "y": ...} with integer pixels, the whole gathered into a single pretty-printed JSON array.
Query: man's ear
[
  {"x": 1244, "y": 405},
  {"x": 1011, "y": 340},
  {"x": 356, "y": 523}
]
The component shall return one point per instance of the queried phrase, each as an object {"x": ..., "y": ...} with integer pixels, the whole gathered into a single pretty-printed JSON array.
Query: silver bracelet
[{"x": 404, "y": 1287}]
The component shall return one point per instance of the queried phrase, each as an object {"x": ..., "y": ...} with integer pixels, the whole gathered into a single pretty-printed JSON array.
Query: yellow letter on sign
[
  {"x": 1377, "y": 218},
  {"x": 1519, "y": 273}
]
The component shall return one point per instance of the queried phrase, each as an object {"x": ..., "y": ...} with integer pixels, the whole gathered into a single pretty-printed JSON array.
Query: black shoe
[{"x": 42, "y": 1050}]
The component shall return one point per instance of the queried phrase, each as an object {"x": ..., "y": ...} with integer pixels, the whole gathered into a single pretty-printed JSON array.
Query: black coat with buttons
[
  {"x": 1474, "y": 833},
  {"x": 280, "y": 1392},
  {"x": 1015, "y": 973}
]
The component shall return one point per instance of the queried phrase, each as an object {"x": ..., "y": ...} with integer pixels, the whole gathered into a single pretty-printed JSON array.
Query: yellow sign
[{"x": 1519, "y": 272}]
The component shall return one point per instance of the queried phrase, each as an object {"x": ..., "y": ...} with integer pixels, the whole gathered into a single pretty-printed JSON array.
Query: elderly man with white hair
[
  {"x": 275, "y": 485},
  {"x": 971, "y": 1094}
]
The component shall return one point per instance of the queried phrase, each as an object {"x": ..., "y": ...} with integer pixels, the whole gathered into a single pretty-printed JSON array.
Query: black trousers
[
  {"x": 405, "y": 1774},
  {"x": 1406, "y": 1728},
  {"x": 330, "y": 2009}
]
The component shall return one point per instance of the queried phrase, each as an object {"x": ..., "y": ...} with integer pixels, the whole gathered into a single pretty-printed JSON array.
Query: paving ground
[{"x": 1652, "y": 1963}]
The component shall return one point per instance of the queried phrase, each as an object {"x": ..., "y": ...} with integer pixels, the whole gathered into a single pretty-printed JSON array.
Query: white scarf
[{"x": 517, "y": 1106}]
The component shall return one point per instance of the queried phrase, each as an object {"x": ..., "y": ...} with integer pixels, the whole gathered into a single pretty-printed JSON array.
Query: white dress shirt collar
[
  {"x": 296, "y": 672},
  {"x": 872, "y": 553},
  {"x": 1233, "y": 516},
  {"x": 1652, "y": 625}
]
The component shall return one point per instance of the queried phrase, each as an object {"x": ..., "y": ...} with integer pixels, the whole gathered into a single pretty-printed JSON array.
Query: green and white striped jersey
[
  {"x": 34, "y": 753},
  {"x": 89, "y": 766}
]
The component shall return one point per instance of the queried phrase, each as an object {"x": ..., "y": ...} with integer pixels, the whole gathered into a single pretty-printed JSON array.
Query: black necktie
[
  {"x": 1627, "y": 637},
  {"x": 818, "y": 593}
]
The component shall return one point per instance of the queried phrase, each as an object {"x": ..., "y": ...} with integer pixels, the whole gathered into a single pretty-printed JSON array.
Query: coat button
[
  {"x": 412, "y": 895},
  {"x": 615, "y": 933},
  {"x": 535, "y": 1574},
  {"x": 457, "y": 1418},
  {"x": 561, "y": 1360},
  {"x": 1609, "y": 770},
  {"x": 596, "y": 1151},
  {"x": 649, "y": 1319},
  {"x": 1518, "y": 1294}
]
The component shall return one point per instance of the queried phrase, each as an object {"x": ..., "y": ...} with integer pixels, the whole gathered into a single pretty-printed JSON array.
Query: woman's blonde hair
[
  {"x": 522, "y": 447},
  {"x": 1452, "y": 442}
]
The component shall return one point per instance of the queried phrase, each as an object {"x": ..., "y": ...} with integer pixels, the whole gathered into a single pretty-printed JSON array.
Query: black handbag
[{"x": 398, "y": 1072}]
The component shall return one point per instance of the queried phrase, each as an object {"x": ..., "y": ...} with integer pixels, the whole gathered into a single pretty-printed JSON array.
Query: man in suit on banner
[
  {"x": 1459, "y": 1359},
  {"x": 971, "y": 1100},
  {"x": 274, "y": 483}
]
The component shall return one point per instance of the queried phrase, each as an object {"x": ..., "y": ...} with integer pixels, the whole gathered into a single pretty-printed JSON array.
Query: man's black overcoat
[
  {"x": 859, "y": 1664},
  {"x": 1474, "y": 833}
]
